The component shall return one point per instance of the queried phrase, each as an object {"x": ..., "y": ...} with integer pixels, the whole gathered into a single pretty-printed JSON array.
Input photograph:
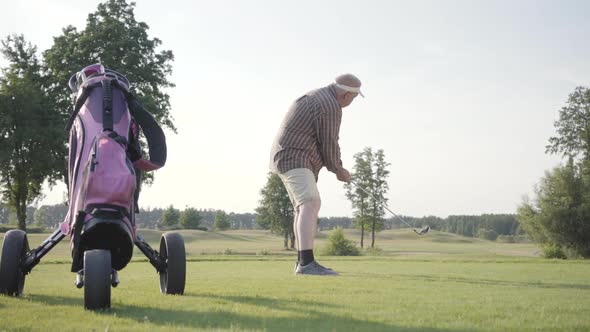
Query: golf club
[{"x": 422, "y": 231}]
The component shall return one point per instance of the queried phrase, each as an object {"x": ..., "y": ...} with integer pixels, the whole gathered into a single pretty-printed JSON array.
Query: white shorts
[{"x": 301, "y": 186}]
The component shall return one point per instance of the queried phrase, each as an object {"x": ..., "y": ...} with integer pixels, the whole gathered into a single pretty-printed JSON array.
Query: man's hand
[{"x": 343, "y": 175}]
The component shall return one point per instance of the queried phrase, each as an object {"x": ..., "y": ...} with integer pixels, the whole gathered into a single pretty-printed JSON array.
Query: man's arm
[{"x": 328, "y": 129}]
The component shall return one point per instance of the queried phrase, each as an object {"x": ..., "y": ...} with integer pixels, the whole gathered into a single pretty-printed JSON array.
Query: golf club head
[{"x": 424, "y": 230}]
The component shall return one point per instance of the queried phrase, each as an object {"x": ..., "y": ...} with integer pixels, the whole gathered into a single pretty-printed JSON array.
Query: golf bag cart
[{"x": 105, "y": 164}]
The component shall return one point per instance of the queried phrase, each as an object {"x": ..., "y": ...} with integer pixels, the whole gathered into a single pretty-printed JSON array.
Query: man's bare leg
[{"x": 305, "y": 228}]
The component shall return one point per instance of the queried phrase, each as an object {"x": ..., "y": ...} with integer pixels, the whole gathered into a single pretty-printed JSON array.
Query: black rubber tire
[
  {"x": 97, "y": 279},
  {"x": 14, "y": 249},
  {"x": 172, "y": 252}
]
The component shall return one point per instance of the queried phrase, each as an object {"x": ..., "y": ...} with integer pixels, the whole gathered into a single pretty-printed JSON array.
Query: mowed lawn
[{"x": 436, "y": 282}]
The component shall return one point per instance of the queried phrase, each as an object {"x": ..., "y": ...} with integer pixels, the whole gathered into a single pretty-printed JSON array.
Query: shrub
[
  {"x": 30, "y": 230},
  {"x": 4, "y": 229},
  {"x": 553, "y": 251},
  {"x": 338, "y": 245},
  {"x": 36, "y": 230},
  {"x": 228, "y": 251},
  {"x": 522, "y": 239},
  {"x": 264, "y": 252},
  {"x": 487, "y": 234},
  {"x": 376, "y": 251},
  {"x": 559, "y": 213},
  {"x": 174, "y": 227},
  {"x": 506, "y": 238},
  {"x": 190, "y": 218}
]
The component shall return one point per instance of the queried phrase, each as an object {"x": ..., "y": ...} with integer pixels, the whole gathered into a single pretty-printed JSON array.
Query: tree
[
  {"x": 40, "y": 216},
  {"x": 190, "y": 218},
  {"x": 32, "y": 143},
  {"x": 148, "y": 218},
  {"x": 116, "y": 39},
  {"x": 170, "y": 217},
  {"x": 558, "y": 217},
  {"x": 380, "y": 188},
  {"x": 113, "y": 37},
  {"x": 49, "y": 216},
  {"x": 573, "y": 127},
  {"x": 487, "y": 234},
  {"x": 221, "y": 222},
  {"x": 275, "y": 210},
  {"x": 370, "y": 173},
  {"x": 362, "y": 175}
]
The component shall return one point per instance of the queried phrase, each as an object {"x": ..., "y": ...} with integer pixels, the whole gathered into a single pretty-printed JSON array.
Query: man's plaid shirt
[{"x": 308, "y": 136}]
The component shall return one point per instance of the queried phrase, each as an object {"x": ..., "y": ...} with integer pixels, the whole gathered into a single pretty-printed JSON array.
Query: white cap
[{"x": 350, "y": 89}]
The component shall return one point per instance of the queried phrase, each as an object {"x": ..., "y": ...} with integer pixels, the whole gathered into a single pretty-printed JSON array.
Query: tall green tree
[
  {"x": 559, "y": 216},
  {"x": 221, "y": 221},
  {"x": 380, "y": 188},
  {"x": 362, "y": 175},
  {"x": 32, "y": 144},
  {"x": 170, "y": 217},
  {"x": 275, "y": 210},
  {"x": 115, "y": 38},
  {"x": 190, "y": 218},
  {"x": 573, "y": 127},
  {"x": 369, "y": 172}
]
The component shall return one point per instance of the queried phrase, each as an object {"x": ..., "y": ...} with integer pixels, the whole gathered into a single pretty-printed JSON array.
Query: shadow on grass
[
  {"x": 273, "y": 304},
  {"x": 475, "y": 281},
  {"x": 223, "y": 319}
]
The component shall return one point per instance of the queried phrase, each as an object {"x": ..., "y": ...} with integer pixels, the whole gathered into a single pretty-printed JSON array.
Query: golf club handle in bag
[{"x": 383, "y": 204}]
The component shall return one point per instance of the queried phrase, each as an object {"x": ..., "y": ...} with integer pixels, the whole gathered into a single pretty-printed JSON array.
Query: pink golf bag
[
  {"x": 104, "y": 170},
  {"x": 103, "y": 160}
]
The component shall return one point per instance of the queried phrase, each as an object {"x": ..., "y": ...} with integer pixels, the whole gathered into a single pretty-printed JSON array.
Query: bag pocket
[{"x": 111, "y": 177}]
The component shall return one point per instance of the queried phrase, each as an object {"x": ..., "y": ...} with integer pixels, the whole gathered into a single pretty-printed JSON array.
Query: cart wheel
[
  {"x": 14, "y": 250},
  {"x": 97, "y": 279},
  {"x": 172, "y": 252}
]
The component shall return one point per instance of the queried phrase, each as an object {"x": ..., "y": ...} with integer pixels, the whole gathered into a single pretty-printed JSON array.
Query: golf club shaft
[{"x": 384, "y": 205}]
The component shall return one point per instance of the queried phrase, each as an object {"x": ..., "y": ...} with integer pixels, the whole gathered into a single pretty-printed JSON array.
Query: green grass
[{"x": 438, "y": 282}]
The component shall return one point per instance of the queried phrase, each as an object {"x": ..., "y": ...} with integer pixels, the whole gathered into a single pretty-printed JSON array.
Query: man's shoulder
[{"x": 325, "y": 98}]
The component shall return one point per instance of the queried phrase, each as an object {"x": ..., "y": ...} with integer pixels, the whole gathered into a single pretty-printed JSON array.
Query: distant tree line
[
  {"x": 49, "y": 216},
  {"x": 9, "y": 217},
  {"x": 192, "y": 218},
  {"x": 329, "y": 223},
  {"x": 487, "y": 226}
]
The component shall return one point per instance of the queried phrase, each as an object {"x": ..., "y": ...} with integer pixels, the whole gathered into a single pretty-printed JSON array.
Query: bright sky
[{"x": 460, "y": 95}]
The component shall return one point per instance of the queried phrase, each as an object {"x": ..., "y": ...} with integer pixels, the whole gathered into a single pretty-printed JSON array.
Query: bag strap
[
  {"x": 154, "y": 134},
  {"x": 107, "y": 105},
  {"x": 78, "y": 104}
]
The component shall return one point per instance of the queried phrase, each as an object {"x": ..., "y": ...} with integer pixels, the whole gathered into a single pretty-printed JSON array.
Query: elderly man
[{"x": 307, "y": 141}]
